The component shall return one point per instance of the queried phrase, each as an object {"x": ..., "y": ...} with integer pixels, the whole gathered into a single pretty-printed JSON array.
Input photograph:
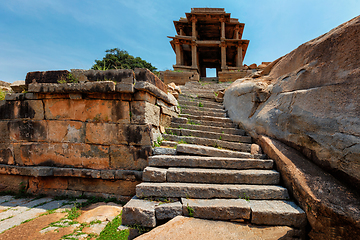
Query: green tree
[{"x": 121, "y": 59}]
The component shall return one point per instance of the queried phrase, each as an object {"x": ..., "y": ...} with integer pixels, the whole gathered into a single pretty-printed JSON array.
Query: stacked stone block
[{"x": 101, "y": 127}]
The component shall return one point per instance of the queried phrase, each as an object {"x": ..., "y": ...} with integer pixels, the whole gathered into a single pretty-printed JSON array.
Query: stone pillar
[
  {"x": 182, "y": 31},
  {"x": 223, "y": 55},
  {"x": 194, "y": 54},
  {"x": 194, "y": 20},
  {"x": 222, "y": 20},
  {"x": 178, "y": 52},
  {"x": 239, "y": 56},
  {"x": 237, "y": 29}
]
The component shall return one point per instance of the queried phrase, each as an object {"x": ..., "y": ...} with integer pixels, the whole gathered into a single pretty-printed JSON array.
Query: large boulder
[{"x": 310, "y": 100}]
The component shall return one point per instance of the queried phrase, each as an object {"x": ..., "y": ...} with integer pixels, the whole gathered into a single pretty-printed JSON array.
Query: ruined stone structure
[
  {"x": 209, "y": 38},
  {"x": 90, "y": 137}
]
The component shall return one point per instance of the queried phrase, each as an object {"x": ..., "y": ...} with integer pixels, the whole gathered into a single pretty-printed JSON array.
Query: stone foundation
[
  {"x": 84, "y": 135},
  {"x": 231, "y": 76},
  {"x": 179, "y": 78}
]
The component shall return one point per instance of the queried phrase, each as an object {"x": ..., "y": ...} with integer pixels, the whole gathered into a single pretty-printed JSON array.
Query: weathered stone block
[
  {"x": 137, "y": 134},
  {"x": 116, "y": 75},
  {"x": 124, "y": 87},
  {"x": 168, "y": 210},
  {"x": 6, "y": 153},
  {"x": 105, "y": 133},
  {"x": 28, "y": 130},
  {"x": 12, "y": 182},
  {"x": 145, "y": 75},
  {"x": 63, "y": 154},
  {"x": 105, "y": 86},
  {"x": 45, "y": 77},
  {"x": 20, "y": 96},
  {"x": 165, "y": 120},
  {"x": 168, "y": 112},
  {"x": 129, "y": 157},
  {"x": 144, "y": 96},
  {"x": 32, "y": 109},
  {"x": 4, "y": 131},
  {"x": 138, "y": 211},
  {"x": 117, "y": 187},
  {"x": 152, "y": 174},
  {"x": 66, "y": 131},
  {"x": 152, "y": 89},
  {"x": 87, "y": 110},
  {"x": 164, "y": 151},
  {"x": 143, "y": 112}
]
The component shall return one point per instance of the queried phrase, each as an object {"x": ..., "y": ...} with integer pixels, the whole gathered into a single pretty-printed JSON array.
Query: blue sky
[{"x": 39, "y": 35}]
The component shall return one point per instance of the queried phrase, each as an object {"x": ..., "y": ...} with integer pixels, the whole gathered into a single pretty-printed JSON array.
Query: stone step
[
  {"x": 234, "y": 131},
  {"x": 207, "y": 104},
  {"x": 260, "y": 212},
  {"x": 277, "y": 213},
  {"x": 164, "y": 151},
  {"x": 207, "y": 118},
  {"x": 216, "y": 144},
  {"x": 214, "y": 152},
  {"x": 197, "y": 190},
  {"x": 204, "y": 109},
  {"x": 169, "y": 144},
  {"x": 209, "y": 134},
  {"x": 209, "y": 162},
  {"x": 217, "y": 209},
  {"x": 185, "y": 120},
  {"x": 203, "y": 96},
  {"x": 205, "y": 175},
  {"x": 201, "y": 112}
]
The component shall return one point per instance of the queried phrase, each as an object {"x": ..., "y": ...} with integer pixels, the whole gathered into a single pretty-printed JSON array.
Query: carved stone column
[
  {"x": 222, "y": 20},
  {"x": 193, "y": 20},
  {"x": 237, "y": 29},
  {"x": 194, "y": 54},
  {"x": 239, "y": 56},
  {"x": 223, "y": 55},
  {"x": 178, "y": 52}
]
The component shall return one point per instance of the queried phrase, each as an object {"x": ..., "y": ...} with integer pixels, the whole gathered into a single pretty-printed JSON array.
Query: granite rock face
[{"x": 310, "y": 100}]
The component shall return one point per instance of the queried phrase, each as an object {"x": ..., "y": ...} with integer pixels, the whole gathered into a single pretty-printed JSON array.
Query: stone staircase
[{"x": 209, "y": 168}]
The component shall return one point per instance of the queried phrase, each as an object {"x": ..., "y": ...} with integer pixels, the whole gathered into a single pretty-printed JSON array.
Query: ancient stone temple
[{"x": 209, "y": 38}]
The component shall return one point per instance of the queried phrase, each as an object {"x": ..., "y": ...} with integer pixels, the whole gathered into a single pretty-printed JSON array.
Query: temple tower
[{"x": 209, "y": 38}]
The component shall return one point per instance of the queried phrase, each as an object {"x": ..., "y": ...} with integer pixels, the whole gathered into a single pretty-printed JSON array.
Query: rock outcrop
[{"x": 309, "y": 100}]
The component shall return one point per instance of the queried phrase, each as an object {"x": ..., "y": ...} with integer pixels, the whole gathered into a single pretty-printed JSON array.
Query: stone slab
[
  {"x": 200, "y": 229},
  {"x": 214, "y": 152},
  {"x": 168, "y": 210},
  {"x": 220, "y": 144},
  {"x": 197, "y": 190},
  {"x": 138, "y": 211},
  {"x": 218, "y": 209},
  {"x": 143, "y": 112},
  {"x": 124, "y": 88},
  {"x": 152, "y": 174},
  {"x": 28, "y": 109},
  {"x": 86, "y": 87},
  {"x": 201, "y": 112},
  {"x": 202, "y": 175},
  {"x": 158, "y": 93},
  {"x": 209, "y": 162},
  {"x": 164, "y": 151},
  {"x": 207, "y": 118},
  {"x": 282, "y": 213},
  {"x": 145, "y": 75},
  {"x": 196, "y": 103}
]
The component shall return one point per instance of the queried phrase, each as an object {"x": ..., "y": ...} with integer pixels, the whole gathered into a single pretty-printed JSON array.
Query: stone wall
[
  {"x": 179, "y": 78},
  {"x": 88, "y": 136},
  {"x": 230, "y": 76}
]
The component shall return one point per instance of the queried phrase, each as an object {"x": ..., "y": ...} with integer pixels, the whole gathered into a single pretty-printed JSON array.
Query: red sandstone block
[
  {"x": 28, "y": 130},
  {"x": 87, "y": 110},
  {"x": 51, "y": 95},
  {"x": 66, "y": 131},
  {"x": 105, "y": 133},
  {"x": 117, "y": 187},
  {"x": 63, "y": 154},
  {"x": 30, "y": 109},
  {"x": 109, "y": 96},
  {"x": 143, "y": 112},
  {"x": 6, "y": 154},
  {"x": 144, "y": 96},
  {"x": 129, "y": 157},
  {"x": 4, "y": 132}
]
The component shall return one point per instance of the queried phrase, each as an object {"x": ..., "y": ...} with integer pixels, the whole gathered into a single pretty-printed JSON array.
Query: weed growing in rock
[
  {"x": 246, "y": 198},
  {"x": 2, "y": 94},
  {"x": 201, "y": 105},
  {"x": 158, "y": 142},
  {"x": 190, "y": 211}
]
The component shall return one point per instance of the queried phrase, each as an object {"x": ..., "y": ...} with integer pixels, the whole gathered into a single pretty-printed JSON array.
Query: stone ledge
[
  {"x": 329, "y": 205},
  {"x": 88, "y": 87},
  {"x": 158, "y": 93},
  {"x": 43, "y": 171}
]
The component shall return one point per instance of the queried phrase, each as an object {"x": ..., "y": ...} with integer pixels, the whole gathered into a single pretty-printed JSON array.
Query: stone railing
[{"x": 92, "y": 136}]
